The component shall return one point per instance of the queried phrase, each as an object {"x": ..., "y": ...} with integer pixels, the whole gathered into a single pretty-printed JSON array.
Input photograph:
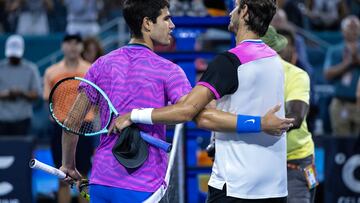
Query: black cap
[
  {"x": 69, "y": 37},
  {"x": 130, "y": 149}
]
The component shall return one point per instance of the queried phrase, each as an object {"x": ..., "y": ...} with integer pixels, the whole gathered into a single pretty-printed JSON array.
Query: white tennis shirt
[{"x": 252, "y": 165}]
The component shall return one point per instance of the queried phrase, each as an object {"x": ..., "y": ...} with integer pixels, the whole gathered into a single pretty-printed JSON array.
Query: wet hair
[
  {"x": 260, "y": 14},
  {"x": 135, "y": 11}
]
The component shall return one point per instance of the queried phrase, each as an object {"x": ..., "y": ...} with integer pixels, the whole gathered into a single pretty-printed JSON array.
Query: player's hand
[
  {"x": 73, "y": 175},
  {"x": 120, "y": 123},
  {"x": 274, "y": 125}
]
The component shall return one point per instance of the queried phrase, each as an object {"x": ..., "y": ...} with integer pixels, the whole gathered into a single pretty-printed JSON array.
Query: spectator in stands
[
  {"x": 33, "y": 18},
  {"x": 12, "y": 10},
  {"x": 2, "y": 16},
  {"x": 293, "y": 11},
  {"x": 188, "y": 8},
  {"x": 324, "y": 14},
  {"x": 354, "y": 7},
  {"x": 57, "y": 17},
  {"x": 216, "y": 8},
  {"x": 112, "y": 9},
  {"x": 19, "y": 87},
  {"x": 342, "y": 69},
  {"x": 281, "y": 22},
  {"x": 82, "y": 16},
  {"x": 92, "y": 49},
  {"x": 72, "y": 65}
]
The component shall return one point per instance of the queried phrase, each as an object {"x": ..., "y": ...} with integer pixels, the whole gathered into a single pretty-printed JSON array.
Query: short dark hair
[
  {"x": 260, "y": 14},
  {"x": 135, "y": 11},
  {"x": 69, "y": 37}
]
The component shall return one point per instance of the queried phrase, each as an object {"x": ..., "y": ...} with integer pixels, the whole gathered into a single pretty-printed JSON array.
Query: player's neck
[
  {"x": 147, "y": 43},
  {"x": 244, "y": 35}
]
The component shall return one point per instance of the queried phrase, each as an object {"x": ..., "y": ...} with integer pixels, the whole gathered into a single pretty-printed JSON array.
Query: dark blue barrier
[
  {"x": 342, "y": 169},
  {"x": 15, "y": 174}
]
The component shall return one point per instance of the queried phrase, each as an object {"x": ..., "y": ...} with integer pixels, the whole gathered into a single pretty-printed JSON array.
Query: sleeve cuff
[{"x": 211, "y": 88}]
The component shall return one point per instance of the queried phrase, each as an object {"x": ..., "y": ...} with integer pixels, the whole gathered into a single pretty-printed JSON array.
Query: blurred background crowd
[{"x": 39, "y": 35}]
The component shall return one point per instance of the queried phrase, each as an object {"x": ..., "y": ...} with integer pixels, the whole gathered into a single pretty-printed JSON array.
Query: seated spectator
[
  {"x": 281, "y": 22},
  {"x": 354, "y": 7},
  {"x": 57, "y": 17},
  {"x": 19, "y": 87},
  {"x": 342, "y": 69},
  {"x": 188, "y": 8},
  {"x": 33, "y": 18},
  {"x": 216, "y": 7},
  {"x": 325, "y": 14},
  {"x": 12, "y": 10},
  {"x": 112, "y": 9},
  {"x": 2, "y": 16},
  {"x": 82, "y": 16},
  {"x": 293, "y": 11}
]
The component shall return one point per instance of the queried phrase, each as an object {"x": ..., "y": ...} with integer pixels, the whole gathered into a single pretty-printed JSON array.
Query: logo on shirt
[{"x": 250, "y": 120}]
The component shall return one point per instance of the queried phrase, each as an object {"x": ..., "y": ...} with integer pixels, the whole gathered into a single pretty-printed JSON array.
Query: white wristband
[{"x": 142, "y": 116}]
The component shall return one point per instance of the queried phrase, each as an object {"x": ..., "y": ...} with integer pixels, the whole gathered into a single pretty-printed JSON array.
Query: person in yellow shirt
[{"x": 300, "y": 146}]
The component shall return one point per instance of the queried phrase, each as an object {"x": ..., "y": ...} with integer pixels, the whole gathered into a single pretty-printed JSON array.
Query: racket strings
[{"x": 78, "y": 106}]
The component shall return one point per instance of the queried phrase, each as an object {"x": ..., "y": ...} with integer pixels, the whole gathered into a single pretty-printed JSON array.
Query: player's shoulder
[
  {"x": 159, "y": 60},
  {"x": 163, "y": 64},
  {"x": 227, "y": 56}
]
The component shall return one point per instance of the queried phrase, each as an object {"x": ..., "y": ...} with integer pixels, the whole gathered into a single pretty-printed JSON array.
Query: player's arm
[
  {"x": 69, "y": 142},
  {"x": 215, "y": 83},
  {"x": 68, "y": 165},
  {"x": 184, "y": 110},
  {"x": 220, "y": 121},
  {"x": 193, "y": 103}
]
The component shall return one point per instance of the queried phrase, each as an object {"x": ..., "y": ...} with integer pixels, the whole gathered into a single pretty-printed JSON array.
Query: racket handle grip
[
  {"x": 34, "y": 163},
  {"x": 156, "y": 142}
]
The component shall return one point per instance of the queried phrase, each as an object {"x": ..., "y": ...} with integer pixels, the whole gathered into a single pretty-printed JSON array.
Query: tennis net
[{"x": 174, "y": 187}]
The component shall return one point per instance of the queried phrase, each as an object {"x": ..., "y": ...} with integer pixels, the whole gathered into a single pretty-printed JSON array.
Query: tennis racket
[
  {"x": 83, "y": 184},
  {"x": 81, "y": 107}
]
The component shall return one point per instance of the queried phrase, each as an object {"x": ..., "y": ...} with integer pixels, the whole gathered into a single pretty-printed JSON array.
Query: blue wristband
[{"x": 248, "y": 124}]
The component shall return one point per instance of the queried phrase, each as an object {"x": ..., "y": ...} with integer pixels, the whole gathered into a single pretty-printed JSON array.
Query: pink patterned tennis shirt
[{"x": 135, "y": 77}]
